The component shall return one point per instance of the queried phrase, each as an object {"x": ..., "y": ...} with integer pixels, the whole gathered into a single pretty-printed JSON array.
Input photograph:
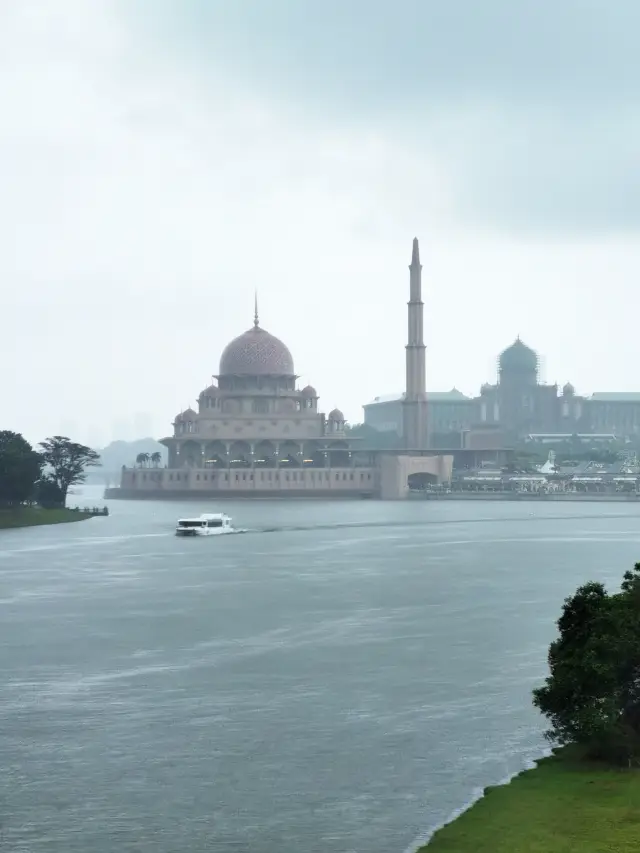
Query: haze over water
[{"x": 341, "y": 678}]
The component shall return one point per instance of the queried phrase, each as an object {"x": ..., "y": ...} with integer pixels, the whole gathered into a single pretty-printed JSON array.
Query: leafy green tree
[
  {"x": 20, "y": 467},
  {"x": 373, "y": 439},
  {"x": 156, "y": 458},
  {"x": 48, "y": 493},
  {"x": 142, "y": 459},
  {"x": 592, "y": 694},
  {"x": 67, "y": 461}
]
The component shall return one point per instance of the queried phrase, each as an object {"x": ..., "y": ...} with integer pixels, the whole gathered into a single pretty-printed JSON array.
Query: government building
[
  {"x": 256, "y": 434},
  {"x": 517, "y": 407}
]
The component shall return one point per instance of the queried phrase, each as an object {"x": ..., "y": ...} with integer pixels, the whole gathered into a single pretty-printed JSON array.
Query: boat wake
[{"x": 427, "y": 523}]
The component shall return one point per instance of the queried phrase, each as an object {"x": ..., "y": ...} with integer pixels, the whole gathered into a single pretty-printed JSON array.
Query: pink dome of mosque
[
  {"x": 309, "y": 391},
  {"x": 210, "y": 391},
  {"x": 336, "y": 415},
  {"x": 187, "y": 415},
  {"x": 256, "y": 353}
]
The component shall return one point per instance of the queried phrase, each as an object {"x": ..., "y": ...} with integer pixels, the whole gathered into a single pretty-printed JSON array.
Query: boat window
[
  {"x": 215, "y": 523},
  {"x": 188, "y": 523}
]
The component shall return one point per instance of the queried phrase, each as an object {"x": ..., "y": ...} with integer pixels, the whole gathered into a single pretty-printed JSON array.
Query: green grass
[
  {"x": 28, "y": 516},
  {"x": 564, "y": 805}
]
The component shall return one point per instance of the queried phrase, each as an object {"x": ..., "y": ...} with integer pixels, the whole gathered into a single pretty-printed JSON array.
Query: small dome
[
  {"x": 210, "y": 391},
  {"x": 256, "y": 353},
  {"x": 336, "y": 415},
  {"x": 187, "y": 415},
  {"x": 568, "y": 390},
  {"x": 309, "y": 391},
  {"x": 519, "y": 358}
]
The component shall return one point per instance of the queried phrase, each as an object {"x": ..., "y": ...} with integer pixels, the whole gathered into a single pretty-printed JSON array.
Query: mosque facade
[{"x": 255, "y": 433}]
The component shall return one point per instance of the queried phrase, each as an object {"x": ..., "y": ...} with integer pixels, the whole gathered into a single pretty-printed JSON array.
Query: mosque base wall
[
  {"x": 387, "y": 480},
  {"x": 236, "y": 494}
]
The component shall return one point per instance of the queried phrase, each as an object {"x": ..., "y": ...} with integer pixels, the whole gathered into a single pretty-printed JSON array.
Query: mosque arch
[
  {"x": 215, "y": 455},
  {"x": 286, "y": 405},
  {"x": 289, "y": 454},
  {"x": 264, "y": 454},
  {"x": 240, "y": 455},
  {"x": 339, "y": 455},
  {"x": 231, "y": 406},
  {"x": 313, "y": 455},
  {"x": 190, "y": 455}
]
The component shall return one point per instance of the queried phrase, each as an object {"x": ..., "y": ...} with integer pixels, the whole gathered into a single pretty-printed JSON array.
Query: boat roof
[{"x": 205, "y": 516}]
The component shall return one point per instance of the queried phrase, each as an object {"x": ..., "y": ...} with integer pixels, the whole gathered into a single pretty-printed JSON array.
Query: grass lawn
[
  {"x": 28, "y": 516},
  {"x": 563, "y": 806}
]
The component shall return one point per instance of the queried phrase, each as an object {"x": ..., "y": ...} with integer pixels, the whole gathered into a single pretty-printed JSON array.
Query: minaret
[{"x": 414, "y": 412}]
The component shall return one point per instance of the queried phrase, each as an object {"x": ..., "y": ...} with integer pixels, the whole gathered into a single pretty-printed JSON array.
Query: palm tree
[
  {"x": 156, "y": 458},
  {"x": 142, "y": 459}
]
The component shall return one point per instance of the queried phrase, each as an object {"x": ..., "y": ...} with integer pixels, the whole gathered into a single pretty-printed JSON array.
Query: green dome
[{"x": 519, "y": 358}]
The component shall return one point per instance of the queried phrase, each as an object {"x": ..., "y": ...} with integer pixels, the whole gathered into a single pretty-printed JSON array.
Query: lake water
[{"x": 341, "y": 678}]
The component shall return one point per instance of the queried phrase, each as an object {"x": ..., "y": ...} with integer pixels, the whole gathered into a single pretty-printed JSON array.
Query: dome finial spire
[{"x": 256, "y": 322}]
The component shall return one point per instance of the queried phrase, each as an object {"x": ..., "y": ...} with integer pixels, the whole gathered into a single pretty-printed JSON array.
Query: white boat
[{"x": 207, "y": 524}]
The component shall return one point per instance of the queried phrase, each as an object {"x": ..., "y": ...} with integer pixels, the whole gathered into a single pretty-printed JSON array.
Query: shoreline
[
  {"x": 12, "y": 519},
  {"x": 421, "y": 844},
  {"x": 531, "y": 497},
  {"x": 561, "y": 800}
]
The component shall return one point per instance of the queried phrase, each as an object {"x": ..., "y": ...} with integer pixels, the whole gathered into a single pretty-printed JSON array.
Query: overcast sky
[{"x": 160, "y": 159}]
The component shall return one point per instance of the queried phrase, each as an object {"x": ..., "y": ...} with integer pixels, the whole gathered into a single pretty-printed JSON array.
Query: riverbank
[
  {"x": 29, "y": 516},
  {"x": 562, "y": 804},
  {"x": 537, "y": 497}
]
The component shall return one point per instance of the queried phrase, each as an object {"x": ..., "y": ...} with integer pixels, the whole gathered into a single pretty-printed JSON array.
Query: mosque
[{"x": 256, "y": 434}]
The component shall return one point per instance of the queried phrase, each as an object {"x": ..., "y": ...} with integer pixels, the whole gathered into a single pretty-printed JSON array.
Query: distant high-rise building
[
  {"x": 120, "y": 431},
  {"x": 142, "y": 425},
  {"x": 95, "y": 436}
]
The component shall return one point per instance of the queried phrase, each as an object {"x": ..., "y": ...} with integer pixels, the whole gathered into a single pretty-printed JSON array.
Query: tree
[
  {"x": 20, "y": 467},
  {"x": 48, "y": 493},
  {"x": 592, "y": 694},
  {"x": 142, "y": 459},
  {"x": 67, "y": 461},
  {"x": 373, "y": 439},
  {"x": 156, "y": 458}
]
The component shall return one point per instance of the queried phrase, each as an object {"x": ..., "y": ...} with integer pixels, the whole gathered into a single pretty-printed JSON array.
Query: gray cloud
[{"x": 531, "y": 108}]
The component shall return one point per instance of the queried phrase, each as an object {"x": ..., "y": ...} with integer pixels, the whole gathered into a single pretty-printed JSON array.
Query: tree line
[{"x": 42, "y": 476}]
